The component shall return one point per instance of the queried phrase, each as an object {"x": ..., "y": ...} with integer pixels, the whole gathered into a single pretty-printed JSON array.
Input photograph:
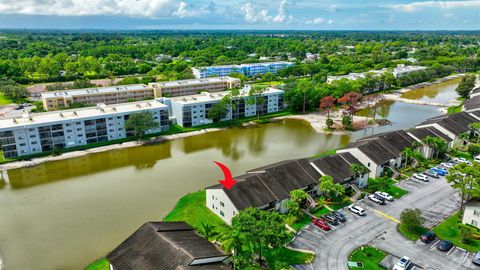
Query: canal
[{"x": 64, "y": 214}]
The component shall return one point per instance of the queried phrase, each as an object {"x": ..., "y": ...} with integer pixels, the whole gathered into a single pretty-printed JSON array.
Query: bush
[{"x": 474, "y": 149}]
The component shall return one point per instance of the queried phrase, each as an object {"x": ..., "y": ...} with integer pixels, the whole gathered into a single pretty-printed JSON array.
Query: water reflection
[{"x": 440, "y": 93}]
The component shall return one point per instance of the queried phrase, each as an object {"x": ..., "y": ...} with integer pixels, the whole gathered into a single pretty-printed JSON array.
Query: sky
[{"x": 242, "y": 15}]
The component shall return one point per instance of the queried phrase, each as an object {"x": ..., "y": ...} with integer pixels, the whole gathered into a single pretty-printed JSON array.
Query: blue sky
[{"x": 230, "y": 14}]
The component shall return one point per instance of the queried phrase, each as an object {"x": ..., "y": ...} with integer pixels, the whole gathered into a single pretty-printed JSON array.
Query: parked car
[
  {"x": 444, "y": 245},
  {"x": 431, "y": 174},
  {"x": 403, "y": 264},
  {"x": 357, "y": 210},
  {"x": 440, "y": 171},
  {"x": 322, "y": 224},
  {"x": 340, "y": 216},
  {"x": 447, "y": 165},
  {"x": 428, "y": 237},
  {"x": 421, "y": 177},
  {"x": 384, "y": 195},
  {"x": 462, "y": 160},
  {"x": 476, "y": 258},
  {"x": 375, "y": 199},
  {"x": 331, "y": 219},
  {"x": 19, "y": 107},
  {"x": 477, "y": 159}
]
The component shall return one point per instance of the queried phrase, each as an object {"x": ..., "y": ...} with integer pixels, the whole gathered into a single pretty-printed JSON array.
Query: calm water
[
  {"x": 64, "y": 214},
  {"x": 440, "y": 93}
]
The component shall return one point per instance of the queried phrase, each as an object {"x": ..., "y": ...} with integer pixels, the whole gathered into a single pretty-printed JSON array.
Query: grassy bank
[
  {"x": 101, "y": 264},
  {"x": 191, "y": 209},
  {"x": 386, "y": 185},
  {"x": 370, "y": 257},
  {"x": 409, "y": 234},
  {"x": 4, "y": 100},
  {"x": 449, "y": 230}
]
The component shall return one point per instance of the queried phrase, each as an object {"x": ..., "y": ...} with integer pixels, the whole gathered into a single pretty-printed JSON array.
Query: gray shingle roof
[
  {"x": 374, "y": 150},
  {"x": 337, "y": 166},
  {"x": 394, "y": 141},
  {"x": 457, "y": 123},
  {"x": 472, "y": 103},
  {"x": 422, "y": 133},
  {"x": 270, "y": 184},
  {"x": 164, "y": 246}
]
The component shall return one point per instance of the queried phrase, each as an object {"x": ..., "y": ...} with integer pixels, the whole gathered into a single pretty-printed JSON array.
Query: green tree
[
  {"x": 331, "y": 189},
  {"x": 15, "y": 92},
  {"x": 296, "y": 202},
  {"x": 219, "y": 110},
  {"x": 358, "y": 170},
  {"x": 140, "y": 123},
  {"x": 412, "y": 219},
  {"x": 206, "y": 230},
  {"x": 466, "y": 179},
  {"x": 329, "y": 122},
  {"x": 466, "y": 85},
  {"x": 347, "y": 121},
  {"x": 438, "y": 145},
  {"x": 476, "y": 130}
]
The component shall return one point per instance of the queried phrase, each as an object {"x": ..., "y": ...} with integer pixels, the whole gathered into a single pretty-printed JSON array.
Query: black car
[
  {"x": 444, "y": 245},
  {"x": 331, "y": 219},
  {"x": 428, "y": 237},
  {"x": 340, "y": 216}
]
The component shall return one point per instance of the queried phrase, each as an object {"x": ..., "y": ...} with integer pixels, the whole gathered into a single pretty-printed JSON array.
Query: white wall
[
  {"x": 472, "y": 215},
  {"x": 214, "y": 199},
  {"x": 375, "y": 169}
]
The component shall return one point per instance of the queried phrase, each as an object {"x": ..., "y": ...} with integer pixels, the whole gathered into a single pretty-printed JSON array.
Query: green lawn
[
  {"x": 412, "y": 235},
  {"x": 454, "y": 109},
  {"x": 369, "y": 256},
  {"x": 327, "y": 153},
  {"x": 385, "y": 185},
  {"x": 191, "y": 209},
  {"x": 449, "y": 230},
  {"x": 288, "y": 257},
  {"x": 4, "y": 100},
  {"x": 101, "y": 264},
  {"x": 302, "y": 222}
]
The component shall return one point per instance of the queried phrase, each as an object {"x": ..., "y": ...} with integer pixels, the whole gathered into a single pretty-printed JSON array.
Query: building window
[
  {"x": 221, "y": 203},
  {"x": 476, "y": 212},
  {"x": 234, "y": 213},
  {"x": 368, "y": 164},
  {"x": 474, "y": 223},
  {"x": 221, "y": 213},
  {"x": 213, "y": 197},
  {"x": 213, "y": 206}
]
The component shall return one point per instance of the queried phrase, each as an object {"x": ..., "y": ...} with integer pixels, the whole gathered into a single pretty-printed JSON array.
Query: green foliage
[
  {"x": 439, "y": 145},
  {"x": 218, "y": 111},
  {"x": 370, "y": 257},
  {"x": 385, "y": 185},
  {"x": 140, "y": 123},
  {"x": 101, "y": 264},
  {"x": 329, "y": 122},
  {"x": 347, "y": 121},
  {"x": 465, "y": 178},
  {"x": 330, "y": 189},
  {"x": 296, "y": 202},
  {"x": 466, "y": 85},
  {"x": 451, "y": 229},
  {"x": 412, "y": 219},
  {"x": 411, "y": 233},
  {"x": 359, "y": 169},
  {"x": 38, "y": 107},
  {"x": 14, "y": 92},
  {"x": 474, "y": 149}
]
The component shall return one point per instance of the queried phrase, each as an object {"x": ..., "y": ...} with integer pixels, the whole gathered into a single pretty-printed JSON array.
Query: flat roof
[
  {"x": 99, "y": 110},
  {"x": 195, "y": 81},
  {"x": 207, "y": 96},
  {"x": 97, "y": 90},
  {"x": 249, "y": 64}
]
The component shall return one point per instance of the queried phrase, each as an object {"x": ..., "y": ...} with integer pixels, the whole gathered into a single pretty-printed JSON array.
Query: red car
[{"x": 322, "y": 224}]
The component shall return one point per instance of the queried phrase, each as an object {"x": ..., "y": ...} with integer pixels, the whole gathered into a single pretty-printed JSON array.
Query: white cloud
[
  {"x": 131, "y": 8},
  {"x": 415, "y": 6},
  {"x": 187, "y": 10},
  {"x": 252, "y": 15},
  {"x": 318, "y": 20},
  {"x": 330, "y": 21}
]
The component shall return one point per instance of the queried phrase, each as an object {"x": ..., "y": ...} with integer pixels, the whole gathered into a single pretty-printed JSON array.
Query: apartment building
[
  {"x": 249, "y": 70},
  {"x": 41, "y": 132},
  {"x": 190, "y": 111},
  {"x": 192, "y": 87},
  {"x": 92, "y": 96},
  {"x": 398, "y": 71}
]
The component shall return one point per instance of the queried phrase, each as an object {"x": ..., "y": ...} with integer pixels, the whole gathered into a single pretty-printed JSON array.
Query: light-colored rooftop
[
  {"x": 250, "y": 64},
  {"x": 99, "y": 110},
  {"x": 207, "y": 96},
  {"x": 194, "y": 81},
  {"x": 100, "y": 90}
]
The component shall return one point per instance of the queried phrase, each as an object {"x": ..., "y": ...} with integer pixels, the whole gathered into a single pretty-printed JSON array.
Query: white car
[
  {"x": 403, "y": 264},
  {"x": 462, "y": 160},
  {"x": 421, "y": 177},
  {"x": 357, "y": 210},
  {"x": 477, "y": 159},
  {"x": 447, "y": 165},
  {"x": 374, "y": 198},
  {"x": 384, "y": 195}
]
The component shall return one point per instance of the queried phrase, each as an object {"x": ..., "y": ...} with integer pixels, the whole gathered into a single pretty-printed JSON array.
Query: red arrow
[{"x": 228, "y": 182}]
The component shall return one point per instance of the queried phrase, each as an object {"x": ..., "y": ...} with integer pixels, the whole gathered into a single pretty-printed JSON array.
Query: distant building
[
  {"x": 193, "y": 87},
  {"x": 402, "y": 70},
  {"x": 249, "y": 70},
  {"x": 472, "y": 104},
  {"x": 471, "y": 215},
  {"x": 41, "y": 132},
  {"x": 190, "y": 111},
  {"x": 167, "y": 246},
  {"x": 397, "y": 72},
  {"x": 92, "y": 96}
]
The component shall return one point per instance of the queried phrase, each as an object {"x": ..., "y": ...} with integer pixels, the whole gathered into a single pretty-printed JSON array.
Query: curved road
[{"x": 436, "y": 199}]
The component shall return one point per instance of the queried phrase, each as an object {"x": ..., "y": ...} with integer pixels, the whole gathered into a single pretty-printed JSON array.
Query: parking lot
[{"x": 378, "y": 228}]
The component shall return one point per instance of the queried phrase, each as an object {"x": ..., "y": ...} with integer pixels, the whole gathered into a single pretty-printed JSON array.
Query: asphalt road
[{"x": 436, "y": 199}]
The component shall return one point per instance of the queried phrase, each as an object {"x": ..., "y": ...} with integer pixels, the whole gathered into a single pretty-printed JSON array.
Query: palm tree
[
  {"x": 358, "y": 170},
  {"x": 208, "y": 231},
  {"x": 235, "y": 242},
  {"x": 476, "y": 129}
]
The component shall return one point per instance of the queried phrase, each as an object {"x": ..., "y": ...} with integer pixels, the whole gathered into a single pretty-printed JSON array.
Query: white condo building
[{"x": 249, "y": 70}]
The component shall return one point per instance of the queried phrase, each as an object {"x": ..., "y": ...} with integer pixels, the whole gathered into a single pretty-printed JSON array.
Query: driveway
[{"x": 379, "y": 228}]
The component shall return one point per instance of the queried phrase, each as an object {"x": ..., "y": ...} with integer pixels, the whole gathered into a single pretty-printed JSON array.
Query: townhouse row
[
  {"x": 136, "y": 92},
  {"x": 43, "y": 132},
  {"x": 269, "y": 187}
]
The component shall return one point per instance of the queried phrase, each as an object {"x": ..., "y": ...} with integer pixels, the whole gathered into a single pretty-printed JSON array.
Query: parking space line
[
  {"x": 450, "y": 251},
  {"x": 466, "y": 256},
  {"x": 434, "y": 244},
  {"x": 386, "y": 216}
]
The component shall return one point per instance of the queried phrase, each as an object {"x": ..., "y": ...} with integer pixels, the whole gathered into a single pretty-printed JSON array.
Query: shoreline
[{"x": 315, "y": 119}]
